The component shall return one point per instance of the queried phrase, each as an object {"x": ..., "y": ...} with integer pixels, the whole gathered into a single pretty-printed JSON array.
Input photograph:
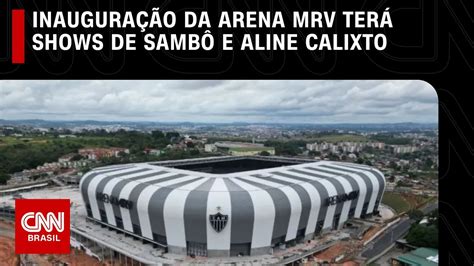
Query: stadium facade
[{"x": 229, "y": 206}]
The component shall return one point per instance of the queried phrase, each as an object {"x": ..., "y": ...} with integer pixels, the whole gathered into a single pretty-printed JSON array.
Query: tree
[
  {"x": 423, "y": 236},
  {"x": 428, "y": 163},
  {"x": 433, "y": 218},
  {"x": 392, "y": 165},
  {"x": 368, "y": 149},
  {"x": 314, "y": 153},
  {"x": 194, "y": 152},
  {"x": 264, "y": 153},
  {"x": 415, "y": 214},
  {"x": 122, "y": 154},
  {"x": 172, "y": 136},
  {"x": 4, "y": 178},
  {"x": 158, "y": 134},
  {"x": 291, "y": 148},
  {"x": 77, "y": 157}
]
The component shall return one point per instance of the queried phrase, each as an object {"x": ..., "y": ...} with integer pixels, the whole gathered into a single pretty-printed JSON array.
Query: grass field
[
  {"x": 14, "y": 140},
  {"x": 396, "y": 201},
  {"x": 88, "y": 141}
]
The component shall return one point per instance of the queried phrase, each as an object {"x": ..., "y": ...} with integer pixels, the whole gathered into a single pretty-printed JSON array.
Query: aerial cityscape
[{"x": 382, "y": 171}]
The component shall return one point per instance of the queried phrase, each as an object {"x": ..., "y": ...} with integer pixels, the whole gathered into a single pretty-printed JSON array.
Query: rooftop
[
  {"x": 148, "y": 254},
  {"x": 227, "y": 165},
  {"x": 420, "y": 257},
  {"x": 283, "y": 171}
]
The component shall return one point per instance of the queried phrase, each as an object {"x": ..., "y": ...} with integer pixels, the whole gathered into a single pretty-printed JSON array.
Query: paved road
[
  {"x": 387, "y": 238},
  {"x": 392, "y": 234},
  {"x": 429, "y": 208}
]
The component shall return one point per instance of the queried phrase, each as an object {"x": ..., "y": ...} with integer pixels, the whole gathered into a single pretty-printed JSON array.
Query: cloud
[{"x": 221, "y": 101}]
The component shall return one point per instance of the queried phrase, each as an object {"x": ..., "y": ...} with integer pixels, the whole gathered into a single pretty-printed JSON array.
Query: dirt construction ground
[
  {"x": 7, "y": 252},
  {"x": 8, "y": 257}
]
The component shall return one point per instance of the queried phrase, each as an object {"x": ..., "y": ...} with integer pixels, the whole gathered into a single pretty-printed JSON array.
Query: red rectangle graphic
[
  {"x": 42, "y": 226},
  {"x": 18, "y": 36}
]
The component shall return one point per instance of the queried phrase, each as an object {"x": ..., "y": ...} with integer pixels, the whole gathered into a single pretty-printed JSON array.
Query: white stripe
[
  {"x": 264, "y": 214},
  {"x": 375, "y": 185},
  {"x": 92, "y": 190},
  {"x": 314, "y": 197},
  {"x": 173, "y": 212},
  {"x": 295, "y": 204},
  {"x": 361, "y": 166},
  {"x": 125, "y": 194},
  {"x": 362, "y": 187},
  {"x": 108, "y": 188},
  {"x": 111, "y": 167},
  {"x": 383, "y": 180},
  {"x": 219, "y": 197},
  {"x": 144, "y": 201},
  {"x": 88, "y": 174},
  {"x": 347, "y": 189},
  {"x": 331, "y": 189}
]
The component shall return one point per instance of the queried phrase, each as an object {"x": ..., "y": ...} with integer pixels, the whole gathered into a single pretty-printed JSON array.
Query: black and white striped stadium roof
[{"x": 248, "y": 212}]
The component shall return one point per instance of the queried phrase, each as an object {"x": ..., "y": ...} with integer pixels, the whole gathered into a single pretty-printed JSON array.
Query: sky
[{"x": 214, "y": 101}]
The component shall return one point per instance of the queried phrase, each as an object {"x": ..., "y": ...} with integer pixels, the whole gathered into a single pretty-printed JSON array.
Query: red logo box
[{"x": 42, "y": 226}]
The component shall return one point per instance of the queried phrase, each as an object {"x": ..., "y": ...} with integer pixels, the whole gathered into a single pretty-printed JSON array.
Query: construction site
[{"x": 340, "y": 247}]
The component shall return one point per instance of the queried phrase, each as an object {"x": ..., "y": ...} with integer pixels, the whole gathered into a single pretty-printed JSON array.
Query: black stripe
[
  {"x": 242, "y": 215},
  {"x": 156, "y": 208},
  {"x": 367, "y": 179},
  {"x": 118, "y": 188},
  {"x": 333, "y": 181},
  {"x": 379, "y": 176},
  {"x": 136, "y": 191},
  {"x": 322, "y": 191},
  {"x": 282, "y": 208},
  {"x": 103, "y": 183},
  {"x": 195, "y": 213},
  {"x": 349, "y": 178},
  {"x": 87, "y": 180},
  {"x": 302, "y": 194}
]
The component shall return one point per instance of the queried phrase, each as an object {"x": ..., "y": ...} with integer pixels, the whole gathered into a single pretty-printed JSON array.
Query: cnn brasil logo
[{"x": 42, "y": 226}]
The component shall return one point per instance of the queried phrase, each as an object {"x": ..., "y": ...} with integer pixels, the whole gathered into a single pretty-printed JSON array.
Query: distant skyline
[{"x": 216, "y": 101}]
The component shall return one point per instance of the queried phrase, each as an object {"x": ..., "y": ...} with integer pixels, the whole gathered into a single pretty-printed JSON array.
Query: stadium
[{"x": 230, "y": 206}]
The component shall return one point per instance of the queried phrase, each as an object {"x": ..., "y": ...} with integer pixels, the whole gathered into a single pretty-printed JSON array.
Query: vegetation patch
[{"x": 396, "y": 201}]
